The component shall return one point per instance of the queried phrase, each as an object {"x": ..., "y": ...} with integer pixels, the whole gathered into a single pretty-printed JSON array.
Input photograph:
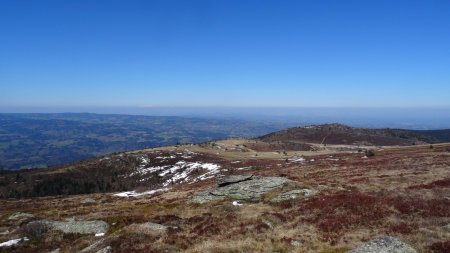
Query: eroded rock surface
[
  {"x": 385, "y": 244},
  {"x": 244, "y": 188}
]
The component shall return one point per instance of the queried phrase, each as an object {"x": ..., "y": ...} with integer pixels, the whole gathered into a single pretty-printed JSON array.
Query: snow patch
[
  {"x": 137, "y": 194},
  {"x": 236, "y": 203},
  {"x": 13, "y": 242},
  {"x": 99, "y": 234},
  {"x": 297, "y": 159}
]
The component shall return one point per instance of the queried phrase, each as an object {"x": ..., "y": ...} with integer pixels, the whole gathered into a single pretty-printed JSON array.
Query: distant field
[{"x": 43, "y": 140}]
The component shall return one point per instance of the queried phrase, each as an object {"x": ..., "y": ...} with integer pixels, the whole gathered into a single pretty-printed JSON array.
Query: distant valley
[{"x": 41, "y": 140}]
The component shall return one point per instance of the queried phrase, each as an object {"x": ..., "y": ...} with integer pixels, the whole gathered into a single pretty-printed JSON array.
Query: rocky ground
[{"x": 247, "y": 196}]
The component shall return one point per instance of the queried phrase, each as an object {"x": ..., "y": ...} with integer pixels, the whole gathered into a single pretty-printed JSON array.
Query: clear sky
[{"x": 309, "y": 53}]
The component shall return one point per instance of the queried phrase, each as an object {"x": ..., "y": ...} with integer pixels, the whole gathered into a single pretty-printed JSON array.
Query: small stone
[
  {"x": 106, "y": 249},
  {"x": 296, "y": 243},
  {"x": 20, "y": 216},
  {"x": 88, "y": 200},
  {"x": 267, "y": 223},
  {"x": 154, "y": 226}
]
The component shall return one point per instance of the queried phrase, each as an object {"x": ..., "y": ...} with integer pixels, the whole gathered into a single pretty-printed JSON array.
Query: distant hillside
[
  {"x": 341, "y": 134},
  {"x": 42, "y": 140}
]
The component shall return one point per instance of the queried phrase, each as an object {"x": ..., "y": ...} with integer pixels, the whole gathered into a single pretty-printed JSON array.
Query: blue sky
[{"x": 225, "y": 53}]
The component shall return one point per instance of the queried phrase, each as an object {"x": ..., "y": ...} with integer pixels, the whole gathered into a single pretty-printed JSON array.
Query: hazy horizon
[{"x": 409, "y": 118}]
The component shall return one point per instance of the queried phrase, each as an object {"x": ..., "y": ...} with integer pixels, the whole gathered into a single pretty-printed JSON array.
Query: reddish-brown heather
[{"x": 440, "y": 247}]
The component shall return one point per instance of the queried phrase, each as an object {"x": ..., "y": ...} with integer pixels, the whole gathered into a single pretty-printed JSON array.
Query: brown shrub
[
  {"x": 169, "y": 220},
  {"x": 440, "y": 247},
  {"x": 444, "y": 183},
  {"x": 334, "y": 214},
  {"x": 133, "y": 242},
  {"x": 402, "y": 228},
  {"x": 424, "y": 208}
]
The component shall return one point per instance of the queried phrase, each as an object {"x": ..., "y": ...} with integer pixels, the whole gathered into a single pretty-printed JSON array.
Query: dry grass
[{"x": 401, "y": 192}]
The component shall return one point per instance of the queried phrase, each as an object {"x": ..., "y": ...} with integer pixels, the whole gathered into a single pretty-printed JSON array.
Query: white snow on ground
[
  {"x": 297, "y": 159},
  {"x": 165, "y": 157},
  {"x": 244, "y": 168},
  {"x": 137, "y": 194},
  {"x": 236, "y": 162},
  {"x": 99, "y": 234},
  {"x": 236, "y": 203},
  {"x": 181, "y": 172},
  {"x": 144, "y": 161},
  {"x": 13, "y": 242}
]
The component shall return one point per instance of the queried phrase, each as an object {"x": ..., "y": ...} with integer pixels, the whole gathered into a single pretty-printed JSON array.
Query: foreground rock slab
[
  {"x": 385, "y": 244},
  {"x": 72, "y": 226},
  {"x": 250, "y": 189}
]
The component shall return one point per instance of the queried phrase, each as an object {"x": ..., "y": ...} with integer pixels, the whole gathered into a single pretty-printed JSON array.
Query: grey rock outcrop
[
  {"x": 294, "y": 194},
  {"x": 251, "y": 188},
  {"x": 385, "y": 244},
  {"x": 77, "y": 227}
]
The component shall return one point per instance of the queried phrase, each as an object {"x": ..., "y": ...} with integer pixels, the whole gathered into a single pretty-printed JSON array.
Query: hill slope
[
  {"x": 332, "y": 201},
  {"x": 341, "y": 134}
]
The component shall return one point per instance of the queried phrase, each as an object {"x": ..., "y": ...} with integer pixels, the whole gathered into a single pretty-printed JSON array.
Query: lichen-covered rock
[
  {"x": 77, "y": 227},
  {"x": 385, "y": 244},
  {"x": 223, "y": 181},
  {"x": 251, "y": 189},
  {"x": 294, "y": 194}
]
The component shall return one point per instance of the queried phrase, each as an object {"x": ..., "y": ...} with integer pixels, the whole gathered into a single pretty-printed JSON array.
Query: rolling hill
[{"x": 342, "y": 134}]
